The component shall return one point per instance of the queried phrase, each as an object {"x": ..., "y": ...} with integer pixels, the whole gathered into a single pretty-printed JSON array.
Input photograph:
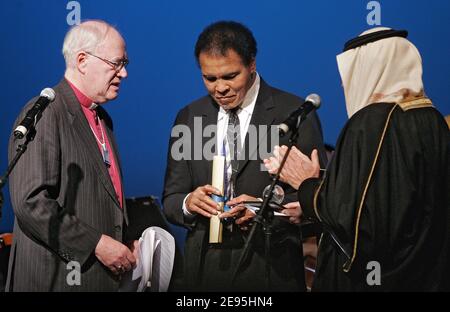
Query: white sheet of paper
[
  {"x": 255, "y": 209},
  {"x": 155, "y": 264}
]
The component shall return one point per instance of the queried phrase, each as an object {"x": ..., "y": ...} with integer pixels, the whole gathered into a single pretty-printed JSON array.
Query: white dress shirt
[{"x": 245, "y": 115}]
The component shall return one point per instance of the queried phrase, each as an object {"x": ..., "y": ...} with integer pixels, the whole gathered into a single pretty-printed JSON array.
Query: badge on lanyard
[{"x": 105, "y": 155}]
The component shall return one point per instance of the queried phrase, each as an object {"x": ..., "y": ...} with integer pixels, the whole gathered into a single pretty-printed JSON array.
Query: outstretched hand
[{"x": 298, "y": 166}]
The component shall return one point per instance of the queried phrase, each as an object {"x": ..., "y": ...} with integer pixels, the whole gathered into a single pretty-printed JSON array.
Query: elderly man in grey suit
[{"x": 66, "y": 190}]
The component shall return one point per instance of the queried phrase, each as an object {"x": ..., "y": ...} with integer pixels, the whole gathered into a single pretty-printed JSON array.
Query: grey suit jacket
[
  {"x": 272, "y": 107},
  {"x": 63, "y": 200}
]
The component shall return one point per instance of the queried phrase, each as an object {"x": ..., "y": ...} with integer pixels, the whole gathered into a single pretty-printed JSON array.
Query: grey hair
[{"x": 86, "y": 36}]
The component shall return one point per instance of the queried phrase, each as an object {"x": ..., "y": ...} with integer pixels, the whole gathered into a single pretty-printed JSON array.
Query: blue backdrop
[{"x": 297, "y": 40}]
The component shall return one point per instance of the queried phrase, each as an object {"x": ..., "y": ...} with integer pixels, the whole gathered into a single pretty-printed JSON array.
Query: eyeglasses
[{"x": 117, "y": 66}]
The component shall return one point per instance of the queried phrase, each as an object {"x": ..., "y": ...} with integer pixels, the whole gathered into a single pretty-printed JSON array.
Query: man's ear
[
  {"x": 81, "y": 62},
  {"x": 253, "y": 66}
]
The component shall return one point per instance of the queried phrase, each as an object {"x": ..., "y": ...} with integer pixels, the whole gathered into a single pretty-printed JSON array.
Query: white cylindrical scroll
[{"x": 215, "y": 226}]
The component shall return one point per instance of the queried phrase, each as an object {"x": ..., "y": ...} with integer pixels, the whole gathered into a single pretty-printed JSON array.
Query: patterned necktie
[{"x": 234, "y": 147}]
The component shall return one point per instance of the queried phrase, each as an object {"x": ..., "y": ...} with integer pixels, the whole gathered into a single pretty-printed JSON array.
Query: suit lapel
[
  {"x": 115, "y": 153},
  {"x": 262, "y": 115},
  {"x": 86, "y": 139}
]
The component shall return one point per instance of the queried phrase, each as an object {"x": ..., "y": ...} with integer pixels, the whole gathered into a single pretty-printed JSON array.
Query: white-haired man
[{"x": 66, "y": 190}]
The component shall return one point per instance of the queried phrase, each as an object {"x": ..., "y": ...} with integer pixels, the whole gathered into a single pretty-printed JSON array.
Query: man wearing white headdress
[{"x": 384, "y": 200}]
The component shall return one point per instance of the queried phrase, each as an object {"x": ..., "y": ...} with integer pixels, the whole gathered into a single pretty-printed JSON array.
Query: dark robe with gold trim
[{"x": 385, "y": 198}]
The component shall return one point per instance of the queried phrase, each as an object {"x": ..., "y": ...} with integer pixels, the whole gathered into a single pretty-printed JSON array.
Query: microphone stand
[
  {"x": 265, "y": 215},
  {"x": 21, "y": 149}
]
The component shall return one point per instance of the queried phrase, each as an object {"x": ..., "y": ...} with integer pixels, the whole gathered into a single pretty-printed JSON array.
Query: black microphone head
[
  {"x": 49, "y": 93},
  {"x": 314, "y": 99},
  {"x": 47, "y": 96},
  {"x": 312, "y": 102}
]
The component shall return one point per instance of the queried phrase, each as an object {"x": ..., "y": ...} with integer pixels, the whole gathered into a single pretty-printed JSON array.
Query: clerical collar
[
  {"x": 82, "y": 98},
  {"x": 374, "y": 36}
]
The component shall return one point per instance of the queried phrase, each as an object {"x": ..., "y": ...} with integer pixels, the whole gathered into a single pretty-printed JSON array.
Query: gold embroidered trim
[
  {"x": 418, "y": 103},
  {"x": 348, "y": 265},
  {"x": 316, "y": 195}
]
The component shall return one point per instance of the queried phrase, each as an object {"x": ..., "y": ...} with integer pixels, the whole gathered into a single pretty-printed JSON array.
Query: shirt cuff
[{"x": 187, "y": 215}]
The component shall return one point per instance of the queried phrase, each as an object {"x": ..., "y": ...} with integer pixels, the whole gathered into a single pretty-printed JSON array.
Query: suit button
[{"x": 118, "y": 228}]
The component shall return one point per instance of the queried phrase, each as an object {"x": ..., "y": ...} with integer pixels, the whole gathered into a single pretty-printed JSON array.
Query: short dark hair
[{"x": 221, "y": 36}]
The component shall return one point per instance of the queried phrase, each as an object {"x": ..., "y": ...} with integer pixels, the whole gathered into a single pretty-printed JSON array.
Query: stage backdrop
[{"x": 297, "y": 41}]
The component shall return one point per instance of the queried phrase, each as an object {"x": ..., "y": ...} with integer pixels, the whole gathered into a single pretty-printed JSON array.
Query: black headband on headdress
[{"x": 372, "y": 37}]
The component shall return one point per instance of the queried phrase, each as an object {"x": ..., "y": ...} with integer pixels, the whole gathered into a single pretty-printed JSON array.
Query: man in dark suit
[
  {"x": 238, "y": 99},
  {"x": 66, "y": 190}
]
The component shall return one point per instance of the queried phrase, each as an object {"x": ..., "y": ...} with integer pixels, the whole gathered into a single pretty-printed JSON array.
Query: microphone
[
  {"x": 47, "y": 96},
  {"x": 312, "y": 102}
]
